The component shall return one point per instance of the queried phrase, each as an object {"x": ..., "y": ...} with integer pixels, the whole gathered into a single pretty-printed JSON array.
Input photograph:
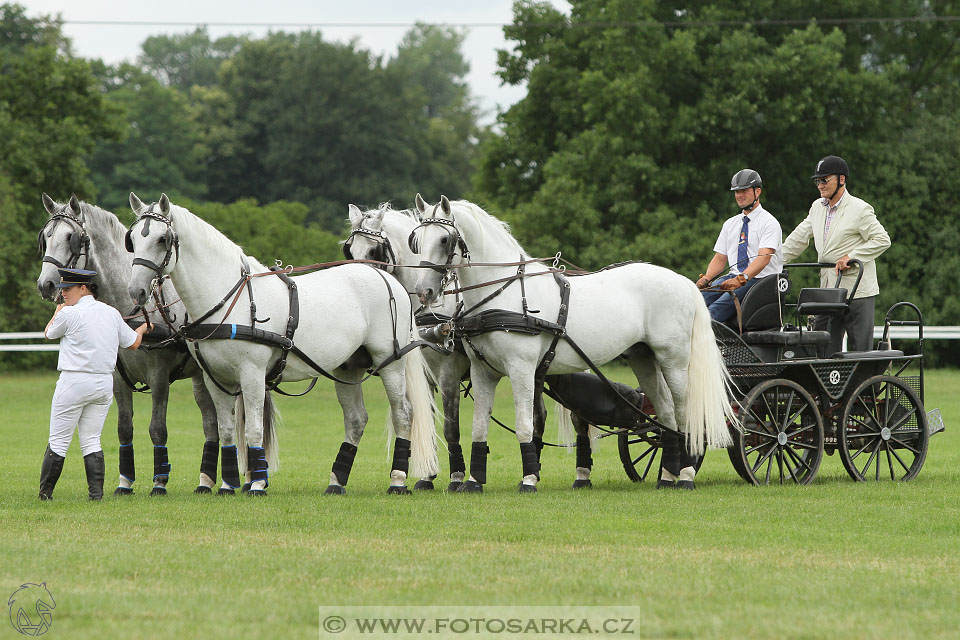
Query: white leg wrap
[
  {"x": 687, "y": 473},
  {"x": 583, "y": 473},
  {"x": 124, "y": 483},
  {"x": 206, "y": 481},
  {"x": 530, "y": 479},
  {"x": 259, "y": 485},
  {"x": 398, "y": 478},
  {"x": 666, "y": 475}
]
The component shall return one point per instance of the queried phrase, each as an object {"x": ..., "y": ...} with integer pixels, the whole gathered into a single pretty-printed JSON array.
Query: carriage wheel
[
  {"x": 885, "y": 431},
  {"x": 640, "y": 453},
  {"x": 782, "y": 439}
]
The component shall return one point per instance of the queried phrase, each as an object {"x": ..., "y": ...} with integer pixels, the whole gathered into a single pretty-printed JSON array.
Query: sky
[{"x": 114, "y": 43}]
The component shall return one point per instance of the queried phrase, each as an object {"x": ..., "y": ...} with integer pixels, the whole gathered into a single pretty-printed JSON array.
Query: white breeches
[{"x": 81, "y": 400}]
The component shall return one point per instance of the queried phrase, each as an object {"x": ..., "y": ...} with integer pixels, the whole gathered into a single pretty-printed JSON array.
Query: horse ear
[
  {"x": 356, "y": 216},
  {"x": 75, "y": 206},
  {"x": 445, "y": 205},
  {"x": 164, "y": 204},
  {"x": 135, "y": 203},
  {"x": 49, "y": 204},
  {"x": 421, "y": 205}
]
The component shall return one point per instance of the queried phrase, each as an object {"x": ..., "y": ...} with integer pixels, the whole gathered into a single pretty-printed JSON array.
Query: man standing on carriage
[
  {"x": 843, "y": 228},
  {"x": 749, "y": 242}
]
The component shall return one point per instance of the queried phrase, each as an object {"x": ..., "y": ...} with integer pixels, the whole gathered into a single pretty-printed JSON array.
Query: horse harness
[
  {"x": 198, "y": 331},
  {"x": 79, "y": 241}
]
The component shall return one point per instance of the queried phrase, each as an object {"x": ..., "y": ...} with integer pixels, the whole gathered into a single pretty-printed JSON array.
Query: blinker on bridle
[
  {"x": 452, "y": 247},
  {"x": 170, "y": 240},
  {"x": 384, "y": 251}
]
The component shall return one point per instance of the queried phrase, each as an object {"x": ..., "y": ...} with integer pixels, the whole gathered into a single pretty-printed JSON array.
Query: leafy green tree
[
  {"x": 186, "y": 60},
  {"x": 161, "y": 149}
]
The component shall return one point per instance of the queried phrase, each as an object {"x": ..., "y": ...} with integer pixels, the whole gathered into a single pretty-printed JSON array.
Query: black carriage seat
[
  {"x": 762, "y": 306},
  {"x": 829, "y": 301}
]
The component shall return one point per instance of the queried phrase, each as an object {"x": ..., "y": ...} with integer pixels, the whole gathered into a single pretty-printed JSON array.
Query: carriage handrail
[
  {"x": 827, "y": 265},
  {"x": 888, "y": 321}
]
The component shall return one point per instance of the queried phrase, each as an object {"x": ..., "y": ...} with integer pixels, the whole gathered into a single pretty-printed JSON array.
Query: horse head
[
  {"x": 367, "y": 240},
  {"x": 440, "y": 245},
  {"x": 61, "y": 243},
  {"x": 153, "y": 243}
]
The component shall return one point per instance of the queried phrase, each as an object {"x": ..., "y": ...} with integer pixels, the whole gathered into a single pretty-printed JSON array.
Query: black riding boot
[
  {"x": 94, "y": 466},
  {"x": 50, "y": 471}
]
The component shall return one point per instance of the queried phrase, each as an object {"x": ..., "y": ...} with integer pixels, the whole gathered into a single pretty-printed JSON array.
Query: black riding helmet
[
  {"x": 831, "y": 165},
  {"x": 745, "y": 179}
]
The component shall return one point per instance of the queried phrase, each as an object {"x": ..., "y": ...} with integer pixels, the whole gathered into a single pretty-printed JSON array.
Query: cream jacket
[{"x": 854, "y": 231}]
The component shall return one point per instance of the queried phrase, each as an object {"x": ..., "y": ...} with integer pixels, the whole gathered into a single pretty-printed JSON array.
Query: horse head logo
[{"x": 30, "y": 609}]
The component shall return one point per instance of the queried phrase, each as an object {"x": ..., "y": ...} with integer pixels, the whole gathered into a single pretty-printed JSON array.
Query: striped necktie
[{"x": 743, "y": 258}]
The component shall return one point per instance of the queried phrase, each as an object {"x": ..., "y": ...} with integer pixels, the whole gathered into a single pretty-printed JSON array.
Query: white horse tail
[
  {"x": 708, "y": 383},
  {"x": 565, "y": 434},
  {"x": 423, "y": 435},
  {"x": 271, "y": 445}
]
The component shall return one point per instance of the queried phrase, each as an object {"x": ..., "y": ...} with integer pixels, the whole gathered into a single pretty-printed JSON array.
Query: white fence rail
[{"x": 896, "y": 333}]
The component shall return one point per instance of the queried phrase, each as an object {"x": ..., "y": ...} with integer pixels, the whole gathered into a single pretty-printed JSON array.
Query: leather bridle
[
  {"x": 170, "y": 239},
  {"x": 79, "y": 242}
]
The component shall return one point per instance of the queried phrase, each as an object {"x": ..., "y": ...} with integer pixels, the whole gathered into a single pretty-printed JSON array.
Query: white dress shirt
[
  {"x": 91, "y": 333},
  {"x": 763, "y": 232}
]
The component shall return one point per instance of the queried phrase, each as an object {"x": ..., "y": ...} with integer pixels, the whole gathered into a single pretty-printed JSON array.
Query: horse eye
[{"x": 444, "y": 240}]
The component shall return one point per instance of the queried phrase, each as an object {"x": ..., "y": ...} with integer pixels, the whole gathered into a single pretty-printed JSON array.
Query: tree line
[{"x": 634, "y": 119}]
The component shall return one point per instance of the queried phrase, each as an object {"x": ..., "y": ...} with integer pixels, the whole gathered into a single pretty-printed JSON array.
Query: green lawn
[{"x": 834, "y": 559}]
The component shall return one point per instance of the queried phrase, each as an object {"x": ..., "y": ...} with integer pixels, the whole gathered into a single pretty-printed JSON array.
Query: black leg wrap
[
  {"x": 456, "y": 458},
  {"x": 344, "y": 462},
  {"x": 257, "y": 464},
  {"x": 584, "y": 457},
  {"x": 401, "y": 455},
  {"x": 161, "y": 464},
  {"x": 687, "y": 459},
  {"x": 231, "y": 470},
  {"x": 127, "y": 468},
  {"x": 671, "y": 452},
  {"x": 478, "y": 461},
  {"x": 531, "y": 461},
  {"x": 208, "y": 463},
  {"x": 50, "y": 471},
  {"x": 93, "y": 464},
  {"x": 538, "y": 443}
]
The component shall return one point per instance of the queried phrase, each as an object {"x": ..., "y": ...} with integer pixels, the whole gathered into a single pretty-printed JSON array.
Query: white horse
[
  {"x": 347, "y": 319},
  {"x": 381, "y": 234},
  {"x": 652, "y": 316},
  {"x": 78, "y": 234}
]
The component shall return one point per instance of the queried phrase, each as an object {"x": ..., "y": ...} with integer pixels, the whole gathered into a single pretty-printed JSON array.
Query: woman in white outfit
[{"x": 90, "y": 333}]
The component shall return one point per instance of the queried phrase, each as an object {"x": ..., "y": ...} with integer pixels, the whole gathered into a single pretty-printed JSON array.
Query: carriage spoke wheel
[
  {"x": 640, "y": 453},
  {"x": 884, "y": 431},
  {"x": 782, "y": 439}
]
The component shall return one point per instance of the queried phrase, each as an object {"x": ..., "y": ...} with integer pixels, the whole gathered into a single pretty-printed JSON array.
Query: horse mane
[
  {"x": 193, "y": 225},
  {"x": 104, "y": 220},
  {"x": 487, "y": 224}
]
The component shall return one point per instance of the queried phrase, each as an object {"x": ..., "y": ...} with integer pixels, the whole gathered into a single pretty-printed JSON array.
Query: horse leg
[
  {"x": 539, "y": 421},
  {"x": 229, "y": 468},
  {"x": 450, "y": 395},
  {"x": 685, "y": 462},
  {"x": 522, "y": 381},
  {"x": 655, "y": 387},
  {"x": 484, "y": 386},
  {"x": 211, "y": 436},
  {"x": 128, "y": 472},
  {"x": 252, "y": 398},
  {"x": 158, "y": 434},
  {"x": 584, "y": 457},
  {"x": 401, "y": 413},
  {"x": 350, "y": 397}
]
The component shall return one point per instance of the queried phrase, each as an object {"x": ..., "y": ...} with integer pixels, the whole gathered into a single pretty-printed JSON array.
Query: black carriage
[{"x": 797, "y": 402}]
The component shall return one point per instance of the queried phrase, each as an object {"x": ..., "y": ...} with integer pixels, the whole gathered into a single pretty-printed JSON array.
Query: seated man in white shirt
[{"x": 749, "y": 242}]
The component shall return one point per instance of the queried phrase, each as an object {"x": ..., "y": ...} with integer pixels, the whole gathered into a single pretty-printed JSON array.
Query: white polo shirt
[
  {"x": 764, "y": 231},
  {"x": 91, "y": 333}
]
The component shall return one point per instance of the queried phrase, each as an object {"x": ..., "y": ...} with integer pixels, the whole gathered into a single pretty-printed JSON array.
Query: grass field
[{"x": 831, "y": 560}]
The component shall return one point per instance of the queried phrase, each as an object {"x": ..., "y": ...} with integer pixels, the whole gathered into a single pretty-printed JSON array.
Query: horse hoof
[
  {"x": 158, "y": 491},
  {"x": 202, "y": 490},
  {"x": 526, "y": 488},
  {"x": 123, "y": 491},
  {"x": 685, "y": 484},
  {"x": 454, "y": 486},
  {"x": 335, "y": 490},
  {"x": 666, "y": 484},
  {"x": 470, "y": 486},
  {"x": 226, "y": 492},
  {"x": 582, "y": 484},
  {"x": 260, "y": 493},
  {"x": 423, "y": 485},
  {"x": 399, "y": 490},
  {"x": 245, "y": 488}
]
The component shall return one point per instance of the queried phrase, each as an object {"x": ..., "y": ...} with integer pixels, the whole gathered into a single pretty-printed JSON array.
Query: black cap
[
  {"x": 745, "y": 179},
  {"x": 73, "y": 277},
  {"x": 831, "y": 165}
]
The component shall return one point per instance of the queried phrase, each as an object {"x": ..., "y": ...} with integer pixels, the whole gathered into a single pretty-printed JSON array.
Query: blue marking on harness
[
  {"x": 127, "y": 445},
  {"x": 159, "y": 446},
  {"x": 233, "y": 331}
]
